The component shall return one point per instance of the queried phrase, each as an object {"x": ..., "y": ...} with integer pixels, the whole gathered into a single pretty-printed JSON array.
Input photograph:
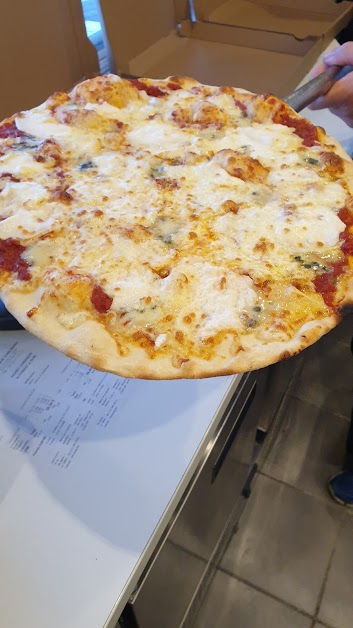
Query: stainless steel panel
[
  {"x": 205, "y": 515},
  {"x": 162, "y": 602},
  {"x": 202, "y": 522},
  {"x": 220, "y": 485},
  {"x": 275, "y": 382}
]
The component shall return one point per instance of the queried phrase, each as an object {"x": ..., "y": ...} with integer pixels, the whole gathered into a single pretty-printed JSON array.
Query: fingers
[
  {"x": 339, "y": 99},
  {"x": 340, "y": 56},
  {"x": 343, "y": 55},
  {"x": 340, "y": 95},
  {"x": 319, "y": 103},
  {"x": 318, "y": 69}
]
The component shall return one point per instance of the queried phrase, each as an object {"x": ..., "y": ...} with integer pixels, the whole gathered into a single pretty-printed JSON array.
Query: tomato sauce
[
  {"x": 302, "y": 127},
  {"x": 10, "y": 130},
  {"x": 326, "y": 283},
  {"x": 173, "y": 86},
  {"x": 242, "y": 106},
  {"x": 9, "y": 176},
  {"x": 100, "y": 300},
  {"x": 347, "y": 242},
  {"x": 11, "y": 260},
  {"x": 346, "y": 216},
  {"x": 151, "y": 90}
]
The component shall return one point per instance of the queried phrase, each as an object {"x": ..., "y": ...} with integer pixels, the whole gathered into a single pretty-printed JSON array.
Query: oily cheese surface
[{"x": 168, "y": 229}]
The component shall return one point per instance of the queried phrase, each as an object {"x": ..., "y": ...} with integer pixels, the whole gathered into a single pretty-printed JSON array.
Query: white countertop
[{"x": 91, "y": 468}]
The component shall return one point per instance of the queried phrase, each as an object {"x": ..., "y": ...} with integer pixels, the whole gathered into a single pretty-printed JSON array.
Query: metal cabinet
[{"x": 169, "y": 594}]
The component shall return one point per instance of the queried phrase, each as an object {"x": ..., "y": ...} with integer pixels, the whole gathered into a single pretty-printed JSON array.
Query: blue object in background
[{"x": 96, "y": 32}]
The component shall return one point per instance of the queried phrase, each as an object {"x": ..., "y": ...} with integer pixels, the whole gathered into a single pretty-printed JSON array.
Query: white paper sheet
[
  {"x": 91, "y": 468},
  {"x": 48, "y": 405}
]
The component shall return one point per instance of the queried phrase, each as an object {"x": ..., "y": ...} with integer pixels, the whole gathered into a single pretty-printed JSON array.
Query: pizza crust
[{"x": 91, "y": 344}]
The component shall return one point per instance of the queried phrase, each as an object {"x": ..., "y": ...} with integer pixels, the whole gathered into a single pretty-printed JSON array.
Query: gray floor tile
[
  {"x": 308, "y": 446},
  {"x": 284, "y": 543},
  {"x": 326, "y": 378},
  {"x": 337, "y": 603},
  {"x": 233, "y": 604}
]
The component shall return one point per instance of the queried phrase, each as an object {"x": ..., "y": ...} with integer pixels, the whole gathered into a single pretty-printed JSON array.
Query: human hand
[{"x": 339, "y": 99}]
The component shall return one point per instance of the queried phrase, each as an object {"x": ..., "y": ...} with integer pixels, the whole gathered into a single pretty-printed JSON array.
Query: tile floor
[{"x": 290, "y": 564}]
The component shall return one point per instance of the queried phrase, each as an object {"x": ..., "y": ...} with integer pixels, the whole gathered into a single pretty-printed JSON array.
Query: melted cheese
[
  {"x": 152, "y": 137},
  {"x": 44, "y": 126},
  {"x": 179, "y": 244},
  {"x": 20, "y": 164},
  {"x": 23, "y": 193},
  {"x": 25, "y": 211},
  {"x": 22, "y": 225},
  {"x": 228, "y": 303}
]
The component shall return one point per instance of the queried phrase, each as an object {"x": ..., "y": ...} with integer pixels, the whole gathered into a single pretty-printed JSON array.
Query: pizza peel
[
  {"x": 298, "y": 100},
  {"x": 318, "y": 86}
]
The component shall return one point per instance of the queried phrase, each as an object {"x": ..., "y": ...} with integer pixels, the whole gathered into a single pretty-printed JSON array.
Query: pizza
[{"x": 168, "y": 229}]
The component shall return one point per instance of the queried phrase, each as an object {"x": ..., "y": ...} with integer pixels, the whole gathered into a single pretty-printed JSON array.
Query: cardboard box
[
  {"x": 44, "y": 48},
  {"x": 300, "y": 18},
  {"x": 258, "y": 45}
]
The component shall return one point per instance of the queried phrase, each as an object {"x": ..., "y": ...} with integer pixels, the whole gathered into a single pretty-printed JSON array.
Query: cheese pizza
[{"x": 168, "y": 229}]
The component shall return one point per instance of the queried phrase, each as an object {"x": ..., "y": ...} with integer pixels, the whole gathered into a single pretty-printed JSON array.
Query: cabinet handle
[
  {"x": 128, "y": 619},
  {"x": 234, "y": 431},
  {"x": 246, "y": 492}
]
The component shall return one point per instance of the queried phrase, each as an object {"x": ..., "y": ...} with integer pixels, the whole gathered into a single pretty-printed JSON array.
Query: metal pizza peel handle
[{"x": 318, "y": 86}]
